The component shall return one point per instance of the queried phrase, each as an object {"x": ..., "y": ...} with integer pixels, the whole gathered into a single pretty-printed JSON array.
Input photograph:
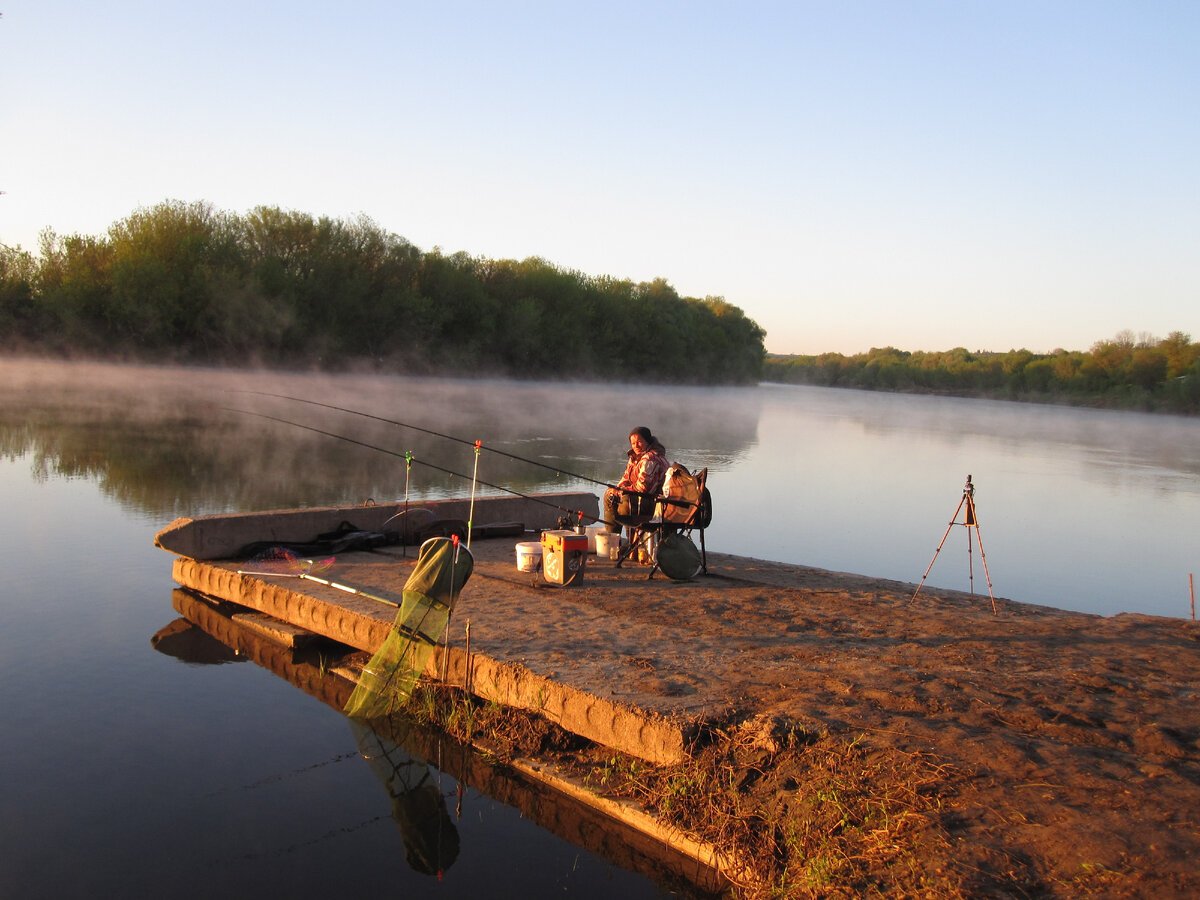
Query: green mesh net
[{"x": 443, "y": 567}]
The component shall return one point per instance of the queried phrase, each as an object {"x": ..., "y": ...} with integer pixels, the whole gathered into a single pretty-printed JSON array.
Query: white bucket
[
  {"x": 529, "y": 554},
  {"x": 606, "y": 542},
  {"x": 592, "y": 532}
]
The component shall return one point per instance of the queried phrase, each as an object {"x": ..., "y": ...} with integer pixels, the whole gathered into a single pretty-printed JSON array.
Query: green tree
[
  {"x": 1147, "y": 367},
  {"x": 164, "y": 264},
  {"x": 76, "y": 290},
  {"x": 184, "y": 280},
  {"x": 20, "y": 316},
  {"x": 1038, "y": 376},
  {"x": 1180, "y": 352}
]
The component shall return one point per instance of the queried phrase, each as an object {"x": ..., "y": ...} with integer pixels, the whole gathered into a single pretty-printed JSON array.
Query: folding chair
[
  {"x": 684, "y": 507},
  {"x": 640, "y": 522}
]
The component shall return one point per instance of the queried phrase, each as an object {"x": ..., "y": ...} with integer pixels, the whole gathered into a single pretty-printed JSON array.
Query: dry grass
[{"x": 807, "y": 813}]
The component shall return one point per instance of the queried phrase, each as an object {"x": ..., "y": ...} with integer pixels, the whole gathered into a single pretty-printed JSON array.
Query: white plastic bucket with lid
[
  {"x": 606, "y": 542},
  {"x": 529, "y": 554}
]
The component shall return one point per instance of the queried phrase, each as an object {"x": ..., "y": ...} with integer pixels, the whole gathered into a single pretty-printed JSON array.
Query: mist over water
[
  {"x": 1082, "y": 509},
  {"x": 203, "y": 436}
]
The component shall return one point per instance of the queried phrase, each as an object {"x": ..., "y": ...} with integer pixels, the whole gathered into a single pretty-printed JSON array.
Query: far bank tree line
[
  {"x": 1125, "y": 372},
  {"x": 184, "y": 282}
]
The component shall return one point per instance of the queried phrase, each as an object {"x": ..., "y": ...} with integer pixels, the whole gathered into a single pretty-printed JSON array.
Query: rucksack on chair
[
  {"x": 680, "y": 485},
  {"x": 691, "y": 513}
]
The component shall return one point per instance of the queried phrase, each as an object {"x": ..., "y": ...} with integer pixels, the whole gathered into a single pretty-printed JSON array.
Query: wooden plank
[{"x": 283, "y": 633}]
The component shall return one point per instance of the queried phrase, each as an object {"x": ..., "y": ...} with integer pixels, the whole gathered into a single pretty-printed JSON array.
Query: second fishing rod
[
  {"x": 405, "y": 456},
  {"x": 478, "y": 445},
  {"x": 449, "y": 437}
]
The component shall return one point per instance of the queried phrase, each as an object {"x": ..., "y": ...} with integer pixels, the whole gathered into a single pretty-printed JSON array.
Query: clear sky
[{"x": 851, "y": 174}]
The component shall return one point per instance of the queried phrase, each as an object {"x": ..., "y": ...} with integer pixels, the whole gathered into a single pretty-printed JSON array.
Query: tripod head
[{"x": 968, "y": 488}]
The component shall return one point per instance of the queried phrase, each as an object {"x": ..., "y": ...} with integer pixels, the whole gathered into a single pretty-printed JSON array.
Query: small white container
[
  {"x": 606, "y": 543},
  {"x": 592, "y": 532},
  {"x": 529, "y": 554}
]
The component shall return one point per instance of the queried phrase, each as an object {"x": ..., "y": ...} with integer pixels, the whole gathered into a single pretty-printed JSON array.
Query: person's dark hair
[
  {"x": 652, "y": 442},
  {"x": 644, "y": 433}
]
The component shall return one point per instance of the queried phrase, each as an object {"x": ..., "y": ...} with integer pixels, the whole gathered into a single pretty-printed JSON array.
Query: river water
[{"x": 136, "y": 759}]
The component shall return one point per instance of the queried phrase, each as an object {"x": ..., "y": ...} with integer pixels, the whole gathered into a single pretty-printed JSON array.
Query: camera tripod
[{"x": 970, "y": 521}]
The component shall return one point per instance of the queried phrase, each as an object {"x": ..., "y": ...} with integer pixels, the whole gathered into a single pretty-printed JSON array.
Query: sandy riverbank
[{"x": 1033, "y": 751}]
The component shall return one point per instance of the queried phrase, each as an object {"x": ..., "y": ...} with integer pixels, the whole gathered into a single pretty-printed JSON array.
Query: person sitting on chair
[{"x": 643, "y": 479}]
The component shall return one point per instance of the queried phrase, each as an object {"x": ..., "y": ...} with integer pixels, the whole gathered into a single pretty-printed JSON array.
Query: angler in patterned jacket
[{"x": 644, "y": 474}]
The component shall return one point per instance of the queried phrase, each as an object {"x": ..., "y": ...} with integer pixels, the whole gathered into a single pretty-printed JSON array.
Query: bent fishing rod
[
  {"x": 404, "y": 456},
  {"x": 438, "y": 434}
]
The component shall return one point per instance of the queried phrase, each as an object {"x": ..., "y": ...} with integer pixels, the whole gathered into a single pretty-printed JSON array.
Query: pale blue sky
[{"x": 851, "y": 174}]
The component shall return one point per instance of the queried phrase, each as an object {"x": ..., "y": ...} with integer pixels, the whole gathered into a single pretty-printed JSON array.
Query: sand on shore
[{"x": 1066, "y": 746}]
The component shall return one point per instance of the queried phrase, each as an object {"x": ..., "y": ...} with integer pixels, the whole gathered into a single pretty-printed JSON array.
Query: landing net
[{"x": 443, "y": 567}]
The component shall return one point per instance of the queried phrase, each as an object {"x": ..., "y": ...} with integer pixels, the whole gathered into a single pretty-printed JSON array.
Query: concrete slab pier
[{"x": 511, "y": 662}]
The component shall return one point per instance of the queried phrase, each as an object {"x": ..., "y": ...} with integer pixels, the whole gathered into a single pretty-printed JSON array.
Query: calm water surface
[{"x": 196, "y": 772}]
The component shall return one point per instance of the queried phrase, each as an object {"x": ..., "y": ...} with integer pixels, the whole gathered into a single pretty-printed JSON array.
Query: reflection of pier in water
[{"x": 398, "y": 751}]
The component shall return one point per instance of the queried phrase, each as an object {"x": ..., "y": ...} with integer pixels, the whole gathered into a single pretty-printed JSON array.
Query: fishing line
[
  {"x": 342, "y": 437},
  {"x": 284, "y": 562},
  {"x": 281, "y": 776},
  {"x": 448, "y": 437}
]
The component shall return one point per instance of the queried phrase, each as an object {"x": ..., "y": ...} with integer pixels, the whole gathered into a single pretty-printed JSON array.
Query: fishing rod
[
  {"x": 325, "y": 581},
  {"x": 407, "y": 457},
  {"x": 412, "y": 631},
  {"x": 449, "y": 437},
  {"x": 309, "y": 566}
]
